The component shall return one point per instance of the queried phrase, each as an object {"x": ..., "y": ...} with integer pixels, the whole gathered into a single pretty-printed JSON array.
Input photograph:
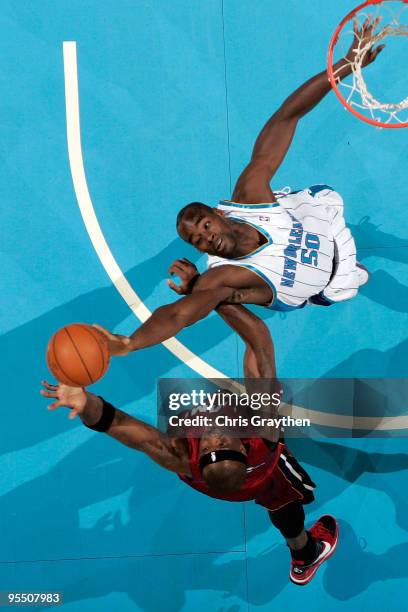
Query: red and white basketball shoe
[{"x": 326, "y": 532}]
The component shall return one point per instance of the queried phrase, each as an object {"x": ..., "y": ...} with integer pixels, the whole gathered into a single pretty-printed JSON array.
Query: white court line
[
  {"x": 92, "y": 225},
  {"x": 127, "y": 292}
]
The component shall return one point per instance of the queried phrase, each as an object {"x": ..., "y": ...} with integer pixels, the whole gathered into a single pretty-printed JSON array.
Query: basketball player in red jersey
[{"x": 225, "y": 467}]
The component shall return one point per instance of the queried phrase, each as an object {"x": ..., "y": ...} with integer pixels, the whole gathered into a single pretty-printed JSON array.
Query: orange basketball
[{"x": 78, "y": 355}]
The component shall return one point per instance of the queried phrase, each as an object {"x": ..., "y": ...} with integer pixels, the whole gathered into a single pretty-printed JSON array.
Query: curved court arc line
[
  {"x": 92, "y": 224},
  {"x": 132, "y": 299}
]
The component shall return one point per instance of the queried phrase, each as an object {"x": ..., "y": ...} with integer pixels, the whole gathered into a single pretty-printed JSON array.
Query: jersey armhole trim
[
  {"x": 262, "y": 231},
  {"x": 238, "y": 205}
]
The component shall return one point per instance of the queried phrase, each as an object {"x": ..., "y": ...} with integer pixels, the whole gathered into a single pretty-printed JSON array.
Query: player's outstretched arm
[
  {"x": 136, "y": 434},
  {"x": 223, "y": 284},
  {"x": 276, "y": 136},
  {"x": 166, "y": 321},
  {"x": 259, "y": 357}
]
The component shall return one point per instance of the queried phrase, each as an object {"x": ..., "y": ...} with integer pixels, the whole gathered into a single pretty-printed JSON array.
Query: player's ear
[{"x": 219, "y": 212}]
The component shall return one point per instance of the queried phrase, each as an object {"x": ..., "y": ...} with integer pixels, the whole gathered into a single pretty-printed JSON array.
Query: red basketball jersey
[{"x": 262, "y": 457}]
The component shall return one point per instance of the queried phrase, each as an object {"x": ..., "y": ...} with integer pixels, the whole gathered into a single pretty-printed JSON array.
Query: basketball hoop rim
[{"x": 332, "y": 78}]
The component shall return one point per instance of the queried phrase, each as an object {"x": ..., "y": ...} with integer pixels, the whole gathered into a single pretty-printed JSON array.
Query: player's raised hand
[
  {"x": 70, "y": 397},
  {"x": 363, "y": 34},
  {"x": 119, "y": 346},
  {"x": 187, "y": 273}
]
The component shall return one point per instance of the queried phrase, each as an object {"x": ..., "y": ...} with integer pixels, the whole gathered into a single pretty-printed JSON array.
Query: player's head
[
  {"x": 222, "y": 463},
  {"x": 207, "y": 229}
]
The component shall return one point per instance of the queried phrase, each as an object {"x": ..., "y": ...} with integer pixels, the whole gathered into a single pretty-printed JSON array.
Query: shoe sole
[
  {"x": 304, "y": 582},
  {"x": 362, "y": 267}
]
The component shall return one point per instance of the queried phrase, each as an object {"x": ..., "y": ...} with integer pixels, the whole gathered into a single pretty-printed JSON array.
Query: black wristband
[{"x": 106, "y": 420}]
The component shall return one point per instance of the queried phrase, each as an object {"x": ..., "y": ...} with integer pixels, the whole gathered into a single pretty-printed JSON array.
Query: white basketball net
[{"x": 357, "y": 93}]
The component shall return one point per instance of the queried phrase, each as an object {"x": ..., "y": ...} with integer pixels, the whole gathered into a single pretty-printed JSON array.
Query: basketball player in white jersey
[
  {"x": 307, "y": 253},
  {"x": 277, "y": 249}
]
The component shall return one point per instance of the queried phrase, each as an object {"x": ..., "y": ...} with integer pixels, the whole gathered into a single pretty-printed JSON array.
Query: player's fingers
[
  {"x": 54, "y": 405},
  {"x": 173, "y": 286},
  {"x": 367, "y": 21},
  {"x": 182, "y": 273},
  {"x": 377, "y": 51},
  {"x": 377, "y": 22},
  {"x": 173, "y": 269},
  {"x": 373, "y": 24},
  {"x": 74, "y": 413},
  {"x": 180, "y": 263},
  {"x": 103, "y": 331},
  {"x": 176, "y": 265},
  {"x": 184, "y": 261},
  {"x": 177, "y": 273},
  {"x": 179, "y": 269},
  {"x": 48, "y": 393},
  {"x": 356, "y": 25},
  {"x": 176, "y": 261},
  {"x": 48, "y": 385}
]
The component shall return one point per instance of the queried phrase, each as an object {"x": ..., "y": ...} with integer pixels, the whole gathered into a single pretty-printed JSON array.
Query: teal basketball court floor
[{"x": 172, "y": 94}]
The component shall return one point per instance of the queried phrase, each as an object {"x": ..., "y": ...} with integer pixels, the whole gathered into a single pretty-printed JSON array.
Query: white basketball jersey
[{"x": 297, "y": 258}]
